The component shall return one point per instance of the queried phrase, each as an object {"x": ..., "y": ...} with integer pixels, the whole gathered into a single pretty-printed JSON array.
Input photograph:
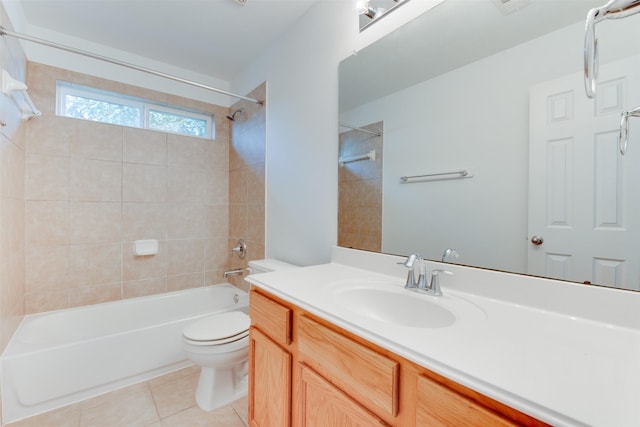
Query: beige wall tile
[
  {"x": 255, "y": 223},
  {"x": 47, "y": 222},
  {"x": 185, "y": 256},
  {"x": 214, "y": 277},
  {"x": 46, "y": 301},
  {"x": 186, "y": 221},
  {"x": 144, "y": 183},
  {"x": 143, "y": 267},
  {"x": 95, "y": 222},
  {"x": 95, "y": 265},
  {"x": 216, "y": 186},
  {"x": 256, "y": 183},
  {"x": 98, "y": 141},
  {"x": 184, "y": 150},
  {"x": 95, "y": 294},
  {"x": 141, "y": 288},
  {"x": 238, "y": 186},
  {"x": 217, "y": 217},
  {"x": 98, "y": 187},
  {"x": 48, "y": 135},
  {"x": 185, "y": 281},
  {"x": 96, "y": 180},
  {"x": 47, "y": 268},
  {"x": 216, "y": 253},
  {"x": 46, "y": 177},
  {"x": 144, "y": 221},
  {"x": 238, "y": 220},
  {"x": 144, "y": 146},
  {"x": 185, "y": 184}
]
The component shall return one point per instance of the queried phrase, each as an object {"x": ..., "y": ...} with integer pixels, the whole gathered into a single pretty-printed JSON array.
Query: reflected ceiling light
[{"x": 371, "y": 12}]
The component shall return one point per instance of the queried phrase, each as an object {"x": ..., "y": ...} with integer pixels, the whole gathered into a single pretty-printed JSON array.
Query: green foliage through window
[{"x": 108, "y": 107}]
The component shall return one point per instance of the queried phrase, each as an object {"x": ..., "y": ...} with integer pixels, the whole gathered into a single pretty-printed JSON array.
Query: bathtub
[{"x": 62, "y": 357}]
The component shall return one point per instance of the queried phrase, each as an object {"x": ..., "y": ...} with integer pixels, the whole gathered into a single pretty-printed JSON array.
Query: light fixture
[{"x": 372, "y": 10}]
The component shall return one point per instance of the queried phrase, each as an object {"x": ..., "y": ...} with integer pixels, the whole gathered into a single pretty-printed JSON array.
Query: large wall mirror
[{"x": 470, "y": 86}]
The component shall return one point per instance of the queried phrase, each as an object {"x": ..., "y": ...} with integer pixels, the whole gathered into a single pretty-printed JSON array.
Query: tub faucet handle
[{"x": 240, "y": 248}]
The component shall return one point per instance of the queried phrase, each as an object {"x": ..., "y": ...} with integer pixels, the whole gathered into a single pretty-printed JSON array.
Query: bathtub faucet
[{"x": 236, "y": 272}]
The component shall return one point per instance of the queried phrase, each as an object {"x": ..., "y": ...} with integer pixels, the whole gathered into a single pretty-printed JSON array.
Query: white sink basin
[{"x": 402, "y": 308}]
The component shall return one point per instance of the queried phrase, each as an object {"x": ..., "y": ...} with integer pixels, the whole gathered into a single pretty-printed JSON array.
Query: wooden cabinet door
[
  {"x": 269, "y": 382},
  {"x": 324, "y": 405},
  {"x": 439, "y": 406}
]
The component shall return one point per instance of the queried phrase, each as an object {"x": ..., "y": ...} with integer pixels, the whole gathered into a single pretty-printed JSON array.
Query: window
[{"x": 87, "y": 103}]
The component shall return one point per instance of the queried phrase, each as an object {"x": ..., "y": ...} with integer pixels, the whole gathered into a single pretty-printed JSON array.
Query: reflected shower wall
[{"x": 360, "y": 190}]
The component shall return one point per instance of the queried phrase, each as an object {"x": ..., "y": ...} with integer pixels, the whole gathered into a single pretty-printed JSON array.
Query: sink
[{"x": 398, "y": 306}]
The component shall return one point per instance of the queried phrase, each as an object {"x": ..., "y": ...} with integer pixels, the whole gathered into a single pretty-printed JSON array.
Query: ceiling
[{"x": 218, "y": 38}]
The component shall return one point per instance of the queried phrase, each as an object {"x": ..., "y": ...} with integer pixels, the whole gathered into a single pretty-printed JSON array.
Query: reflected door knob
[{"x": 537, "y": 240}]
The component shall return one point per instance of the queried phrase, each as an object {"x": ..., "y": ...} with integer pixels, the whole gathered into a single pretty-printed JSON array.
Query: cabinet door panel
[
  {"x": 269, "y": 382},
  {"x": 439, "y": 406},
  {"x": 366, "y": 375},
  {"x": 322, "y": 405}
]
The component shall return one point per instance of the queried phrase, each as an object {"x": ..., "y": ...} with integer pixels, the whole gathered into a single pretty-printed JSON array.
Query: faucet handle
[
  {"x": 435, "y": 283},
  {"x": 408, "y": 263}
]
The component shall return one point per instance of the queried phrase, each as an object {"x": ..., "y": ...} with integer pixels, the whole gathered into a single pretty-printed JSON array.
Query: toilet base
[{"x": 220, "y": 386}]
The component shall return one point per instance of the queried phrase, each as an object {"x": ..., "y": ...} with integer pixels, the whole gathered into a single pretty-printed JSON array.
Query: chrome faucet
[
  {"x": 409, "y": 264},
  {"x": 449, "y": 253},
  {"x": 433, "y": 288}
]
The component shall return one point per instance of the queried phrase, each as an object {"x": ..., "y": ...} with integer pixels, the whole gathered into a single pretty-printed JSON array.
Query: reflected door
[{"x": 584, "y": 201}]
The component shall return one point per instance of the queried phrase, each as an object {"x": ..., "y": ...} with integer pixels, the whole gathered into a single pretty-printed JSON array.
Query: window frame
[{"x": 64, "y": 89}]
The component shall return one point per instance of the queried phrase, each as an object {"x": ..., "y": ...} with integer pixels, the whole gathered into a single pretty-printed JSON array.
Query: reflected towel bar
[
  {"x": 371, "y": 155},
  {"x": 440, "y": 175}
]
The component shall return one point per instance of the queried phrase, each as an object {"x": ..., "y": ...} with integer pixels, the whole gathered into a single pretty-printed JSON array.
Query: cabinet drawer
[
  {"x": 438, "y": 405},
  {"x": 322, "y": 404},
  {"x": 367, "y": 376},
  {"x": 270, "y": 317}
]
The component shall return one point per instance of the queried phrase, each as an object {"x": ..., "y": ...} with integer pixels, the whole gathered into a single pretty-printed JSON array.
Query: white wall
[{"x": 301, "y": 71}]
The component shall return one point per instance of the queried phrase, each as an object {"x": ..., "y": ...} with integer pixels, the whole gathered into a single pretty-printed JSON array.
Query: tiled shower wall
[
  {"x": 92, "y": 189},
  {"x": 247, "y": 181},
  {"x": 12, "y": 160},
  {"x": 360, "y": 191}
]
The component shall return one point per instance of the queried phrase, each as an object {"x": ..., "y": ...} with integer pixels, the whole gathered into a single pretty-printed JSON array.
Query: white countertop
[{"x": 560, "y": 368}]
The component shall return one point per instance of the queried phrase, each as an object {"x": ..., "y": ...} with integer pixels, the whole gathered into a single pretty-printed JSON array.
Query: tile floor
[{"x": 166, "y": 401}]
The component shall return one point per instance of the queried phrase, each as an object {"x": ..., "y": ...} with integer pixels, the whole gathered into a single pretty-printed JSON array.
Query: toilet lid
[{"x": 220, "y": 326}]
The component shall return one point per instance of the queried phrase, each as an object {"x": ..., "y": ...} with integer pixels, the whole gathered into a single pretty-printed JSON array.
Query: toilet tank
[{"x": 266, "y": 265}]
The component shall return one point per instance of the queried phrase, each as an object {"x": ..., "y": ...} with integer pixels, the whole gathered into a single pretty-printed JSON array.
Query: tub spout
[{"x": 236, "y": 272}]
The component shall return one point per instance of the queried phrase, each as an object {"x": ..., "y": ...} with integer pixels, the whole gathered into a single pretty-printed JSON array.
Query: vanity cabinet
[
  {"x": 270, "y": 363},
  {"x": 305, "y": 371}
]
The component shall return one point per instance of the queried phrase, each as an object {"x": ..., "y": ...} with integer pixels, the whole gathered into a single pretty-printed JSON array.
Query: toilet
[{"x": 219, "y": 344}]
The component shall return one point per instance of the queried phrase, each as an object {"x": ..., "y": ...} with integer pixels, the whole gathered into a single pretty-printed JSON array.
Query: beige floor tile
[
  {"x": 241, "y": 406},
  {"x": 137, "y": 409},
  {"x": 191, "y": 370},
  {"x": 68, "y": 416},
  {"x": 194, "y": 417},
  {"x": 115, "y": 396},
  {"x": 175, "y": 396}
]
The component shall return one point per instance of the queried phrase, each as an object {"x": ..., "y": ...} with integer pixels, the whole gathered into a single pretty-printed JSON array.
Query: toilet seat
[{"x": 218, "y": 329}]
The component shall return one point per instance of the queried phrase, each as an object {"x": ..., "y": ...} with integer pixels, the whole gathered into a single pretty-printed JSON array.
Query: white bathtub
[{"x": 61, "y": 357}]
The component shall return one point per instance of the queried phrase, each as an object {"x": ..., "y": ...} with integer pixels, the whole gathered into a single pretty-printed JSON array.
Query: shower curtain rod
[{"x": 5, "y": 32}]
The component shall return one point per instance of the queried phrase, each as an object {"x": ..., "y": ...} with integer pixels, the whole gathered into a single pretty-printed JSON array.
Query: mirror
[{"x": 499, "y": 93}]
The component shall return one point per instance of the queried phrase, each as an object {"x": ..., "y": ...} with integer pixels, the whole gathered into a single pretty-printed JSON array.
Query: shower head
[{"x": 232, "y": 116}]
